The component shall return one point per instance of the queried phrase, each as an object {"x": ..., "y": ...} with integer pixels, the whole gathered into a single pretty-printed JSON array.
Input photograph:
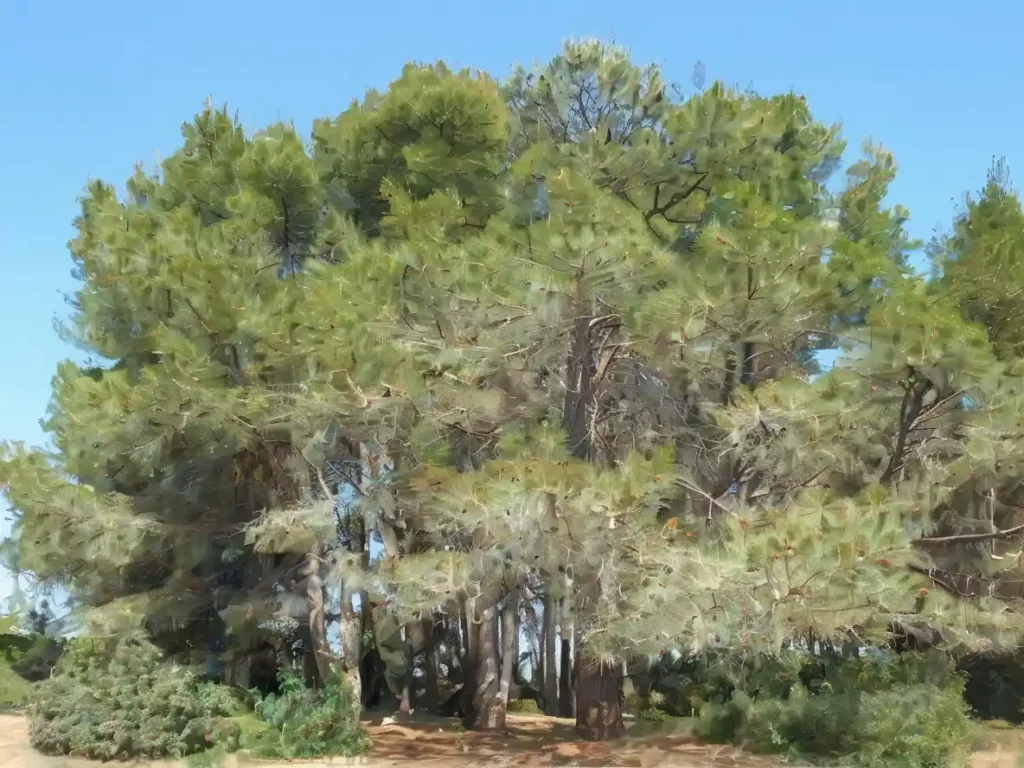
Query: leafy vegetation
[
  {"x": 22, "y": 657},
  {"x": 893, "y": 711},
  {"x": 550, "y": 345},
  {"x": 125, "y": 702},
  {"x": 524, "y": 706},
  {"x": 14, "y": 689},
  {"x": 299, "y": 722}
]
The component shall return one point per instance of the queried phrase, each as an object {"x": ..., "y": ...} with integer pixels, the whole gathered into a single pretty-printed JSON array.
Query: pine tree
[
  {"x": 979, "y": 262},
  {"x": 549, "y": 342},
  {"x": 576, "y": 316},
  {"x": 173, "y": 442},
  {"x": 973, "y": 547},
  {"x": 224, "y": 429},
  {"x": 434, "y": 142}
]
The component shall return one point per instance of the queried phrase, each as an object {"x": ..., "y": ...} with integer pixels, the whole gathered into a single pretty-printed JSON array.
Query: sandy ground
[{"x": 531, "y": 742}]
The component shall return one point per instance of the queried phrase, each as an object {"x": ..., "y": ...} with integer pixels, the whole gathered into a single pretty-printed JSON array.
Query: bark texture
[
  {"x": 509, "y": 659},
  {"x": 566, "y": 702},
  {"x": 598, "y": 700},
  {"x": 317, "y": 617},
  {"x": 486, "y": 711},
  {"x": 431, "y": 698},
  {"x": 550, "y": 641}
]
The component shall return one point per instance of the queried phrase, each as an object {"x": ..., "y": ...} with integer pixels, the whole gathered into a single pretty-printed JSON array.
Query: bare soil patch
[
  {"x": 530, "y": 742},
  {"x": 534, "y": 741}
]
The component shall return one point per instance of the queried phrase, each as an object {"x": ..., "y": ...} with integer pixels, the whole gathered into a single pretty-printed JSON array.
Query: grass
[{"x": 14, "y": 689}]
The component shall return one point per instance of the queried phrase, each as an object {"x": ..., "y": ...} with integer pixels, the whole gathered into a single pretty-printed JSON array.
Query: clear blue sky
[{"x": 88, "y": 89}]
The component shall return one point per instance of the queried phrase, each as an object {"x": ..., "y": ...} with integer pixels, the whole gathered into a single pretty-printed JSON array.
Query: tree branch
[{"x": 969, "y": 537}]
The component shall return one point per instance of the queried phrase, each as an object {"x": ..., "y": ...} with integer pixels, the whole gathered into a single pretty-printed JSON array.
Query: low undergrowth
[
  {"x": 14, "y": 689},
  {"x": 299, "y": 722},
  {"x": 125, "y": 701},
  {"x": 898, "y": 712}
]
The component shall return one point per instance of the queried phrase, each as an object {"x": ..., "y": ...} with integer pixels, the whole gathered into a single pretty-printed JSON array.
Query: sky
[{"x": 90, "y": 89}]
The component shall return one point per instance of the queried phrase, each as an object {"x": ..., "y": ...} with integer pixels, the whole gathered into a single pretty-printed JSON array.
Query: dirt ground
[{"x": 531, "y": 742}]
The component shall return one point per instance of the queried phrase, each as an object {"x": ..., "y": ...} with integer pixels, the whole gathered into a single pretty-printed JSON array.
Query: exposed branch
[{"x": 963, "y": 538}]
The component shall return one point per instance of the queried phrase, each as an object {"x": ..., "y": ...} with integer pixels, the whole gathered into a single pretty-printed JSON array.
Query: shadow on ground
[{"x": 530, "y": 742}]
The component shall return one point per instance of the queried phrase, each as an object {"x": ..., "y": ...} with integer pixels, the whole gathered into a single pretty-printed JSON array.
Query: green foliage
[
  {"x": 433, "y": 143},
  {"x": 980, "y": 262},
  {"x": 298, "y": 722},
  {"x": 14, "y": 646},
  {"x": 524, "y": 706},
  {"x": 125, "y": 702},
  {"x": 39, "y": 659},
  {"x": 555, "y": 332},
  {"x": 879, "y": 713},
  {"x": 14, "y": 689},
  {"x": 652, "y": 714},
  {"x": 24, "y": 659}
]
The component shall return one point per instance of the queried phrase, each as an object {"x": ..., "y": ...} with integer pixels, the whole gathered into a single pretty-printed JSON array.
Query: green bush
[
  {"x": 39, "y": 659},
  {"x": 652, "y": 715},
  {"x": 904, "y": 711},
  {"x": 523, "y": 707},
  {"x": 14, "y": 690},
  {"x": 915, "y": 726},
  {"x": 123, "y": 702},
  {"x": 300, "y": 722},
  {"x": 14, "y": 646}
]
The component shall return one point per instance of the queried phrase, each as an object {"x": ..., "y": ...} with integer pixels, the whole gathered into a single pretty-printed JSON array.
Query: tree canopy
[{"x": 550, "y": 339}]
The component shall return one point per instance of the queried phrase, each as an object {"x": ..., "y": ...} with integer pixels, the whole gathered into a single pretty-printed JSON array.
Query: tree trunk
[
  {"x": 486, "y": 711},
  {"x": 509, "y": 660},
  {"x": 598, "y": 686},
  {"x": 354, "y": 621},
  {"x": 469, "y": 635},
  {"x": 431, "y": 697},
  {"x": 517, "y": 677},
  {"x": 550, "y": 642},
  {"x": 317, "y": 617},
  {"x": 538, "y": 671},
  {"x": 598, "y": 700},
  {"x": 351, "y": 644},
  {"x": 393, "y": 648},
  {"x": 565, "y": 688},
  {"x": 405, "y": 704}
]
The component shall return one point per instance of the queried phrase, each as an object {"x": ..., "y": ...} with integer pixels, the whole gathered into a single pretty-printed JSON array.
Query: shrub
[
  {"x": 24, "y": 659},
  {"x": 523, "y": 706},
  {"x": 652, "y": 715},
  {"x": 123, "y": 702},
  {"x": 14, "y": 690},
  {"x": 39, "y": 659},
  {"x": 905, "y": 711},
  {"x": 914, "y": 726},
  {"x": 14, "y": 646},
  {"x": 300, "y": 722}
]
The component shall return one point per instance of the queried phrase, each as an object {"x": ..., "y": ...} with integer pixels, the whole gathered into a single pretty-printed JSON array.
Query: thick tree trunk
[
  {"x": 597, "y": 686},
  {"x": 550, "y": 641},
  {"x": 509, "y": 630},
  {"x": 598, "y": 700},
  {"x": 486, "y": 711},
  {"x": 565, "y": 687},
  {"x": 317, "y": 617}
]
